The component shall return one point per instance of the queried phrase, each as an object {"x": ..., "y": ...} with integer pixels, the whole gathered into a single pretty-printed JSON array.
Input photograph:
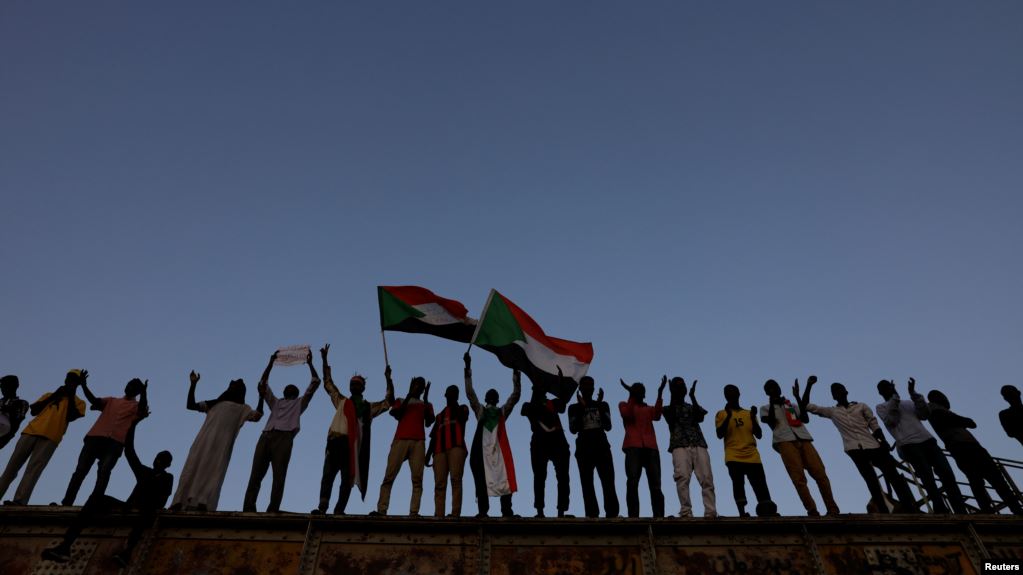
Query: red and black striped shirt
[{"x": 449, "y": 430}]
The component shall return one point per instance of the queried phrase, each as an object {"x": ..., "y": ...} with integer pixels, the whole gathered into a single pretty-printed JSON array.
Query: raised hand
[
  {"x": 193, "y": 377},
  {"x": 795, "y": 388},
  {"x": 625, "y": 385},
  {"x": 324, "y": 351},
  {"x": 309, "y": 357},
  {"x": 692, "y": 390},
  {"x": 145, "y": 385},
  {"x": 273, "y": 357},
  {"x": 468, "y": 360},
  {"x": 426, "y": 393},
  {"x": 387, "y": 372},
  {"x": 912, "y": 386},
  {"x": 600, "y": 395},
  {"x": 664, "y": 383},
  {"x": 811, "y": 380},
  {"x": 83, "y": 377}
]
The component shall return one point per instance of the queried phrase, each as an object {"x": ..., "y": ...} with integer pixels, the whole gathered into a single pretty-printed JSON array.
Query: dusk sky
[{"x": 723, "y": 191}]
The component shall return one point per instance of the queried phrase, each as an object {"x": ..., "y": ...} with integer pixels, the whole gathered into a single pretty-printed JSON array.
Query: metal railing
[{"x": 997, "y": 504}]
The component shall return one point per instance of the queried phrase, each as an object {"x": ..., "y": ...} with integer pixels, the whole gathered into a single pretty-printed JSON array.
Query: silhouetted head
[
  {"x": 772, "y": 389},
  {"x": 886, "y": 389},
  {"x": 935, "y": 396},
  {"x": 416, "y": 386},
  {"x": 162, "y": 460},
  {"x": 9, "y": 385},
  {"x": 839, "y": 392},
  {"x": 235, "y": 392},
  {"x": 133, "y": 388},
  {"x": 491, "y": 397},
  {"x": 451, "y": 394},
  {"x": 677, "y": 387},
  {"x": 637, "y": 392},
  {"x": 73, "y": 377},
  {"x": 731, "y": 394},
  {"x": 1011, "y": 394},
  {"x": 357, "y": 385},
  {"x": 586, "y": 386},
  {"x": 291, "y": 392}
]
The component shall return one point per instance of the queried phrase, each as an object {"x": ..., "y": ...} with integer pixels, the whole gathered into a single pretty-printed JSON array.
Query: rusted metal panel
[
  {"x": 89, "y": 556},
  {"x": 947, "y": 559},
  {"x": 172, "y": 556},
  {"x": 562, "y": 560},
  {"x": 374, "y": 559},
  {"x": 707, "y": 560}
]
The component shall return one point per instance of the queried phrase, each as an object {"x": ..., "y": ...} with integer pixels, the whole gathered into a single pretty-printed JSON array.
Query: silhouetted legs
[
  {"x": 336, "y": 459},
  {"x": 927, "y": 459},
  {"x": 34, "y": 449},
  {"x": 596, "y": 456},
  {"x": 102, "y": 449},
  {"x": 801, "y": 458},
  {"x": 554, "y": 450},
  {"x": 865, "y": 461},
  {"x": 272, "y": 449},
  {"x": 739, "y": 472},
  {"x": 637, "y": 461}
]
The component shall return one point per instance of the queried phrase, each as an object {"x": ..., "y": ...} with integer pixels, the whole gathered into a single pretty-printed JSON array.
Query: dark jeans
[
  {"x": 977, "y": 465},
  {"x": 865, "y": 461},
  {"x": 102, "y": 449},
  {"x": 638, "y": 460},
  {"x": 595, "y": 455},
  {"x": 479, "y": 479},
  {"x": 273, "y": 448},
  {"x": 98, "y": 505},
  {"x": 927, "y": 459},
  {"x": 555, "y": 450},
  {"x": 336, "y": 459},
  {"x": 740, "y": 472}
]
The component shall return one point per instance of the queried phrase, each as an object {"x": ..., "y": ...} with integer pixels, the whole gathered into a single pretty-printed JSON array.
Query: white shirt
[{"x": 855, "y": 423}]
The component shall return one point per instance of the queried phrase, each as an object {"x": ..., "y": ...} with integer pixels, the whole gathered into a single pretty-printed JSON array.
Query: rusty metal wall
[{"x": 250, "y": 544}]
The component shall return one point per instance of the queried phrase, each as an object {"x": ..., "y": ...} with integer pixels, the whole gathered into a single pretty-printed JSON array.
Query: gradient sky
[{"x": 724, "y": 191}]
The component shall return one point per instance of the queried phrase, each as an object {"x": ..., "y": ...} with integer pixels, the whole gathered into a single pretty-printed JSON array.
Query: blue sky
[{"x": 725, "y": 191}]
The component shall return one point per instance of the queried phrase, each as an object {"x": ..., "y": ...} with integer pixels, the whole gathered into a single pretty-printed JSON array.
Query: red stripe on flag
[
  {"x": 415, "y": 295},
  {"x": 581, "y": 351}
]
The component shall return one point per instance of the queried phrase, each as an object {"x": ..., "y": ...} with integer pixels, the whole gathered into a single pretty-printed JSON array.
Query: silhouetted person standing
[
  {"x": 864, "y": 443},
  {"x": 974, "y": 461},
  {"x": 52, "y": 413},
  {"x": 348, "y": 438},
  {"x": 152, "y": 488},
  {"x": 548, "y": 444},
  {"x": 1012, "y": 416},
  {"x": 414, "y": 415},
  {"x": 447, "y": 446},
  {"x": 740, "y": 430},
  {"x": 490, "y": 457},
  {"x": 917, "y": 446},
  {"x": 202, "y": 477},
  {"x": 640, "y": 446},
  {"x": 13, "y": 409},
  {"x": 688, "y": 448},
  {"x": 590, "y": 420},
  {"x": 278, "y": 437},
  {"x": 105, "y": 441},
  {"x": 792, "y": 440}
]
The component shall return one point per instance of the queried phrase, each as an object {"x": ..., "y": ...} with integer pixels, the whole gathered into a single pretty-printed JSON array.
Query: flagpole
[
  {"x": 384, "y": 339},
  {"x": 483, "y": 316}
]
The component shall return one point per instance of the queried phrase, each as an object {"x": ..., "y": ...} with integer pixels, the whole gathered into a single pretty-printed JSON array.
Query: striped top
[{"x": 449, "y": 431}]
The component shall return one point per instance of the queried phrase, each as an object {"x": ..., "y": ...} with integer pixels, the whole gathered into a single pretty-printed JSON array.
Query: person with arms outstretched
[
  {"x": 414, "y": 415},
  {"x": 278, "y": 437},
  {"x": 51, "y": 415},
  {"x": 688, "y": 448},
  {"x": 547, "y": 445},
  {"x": 13, "y": 409},
  {"x": 153, "y": 486},
  {"x": 105, "y": 441},
  {"x": 792, "y": 440},
  {"x": 490, "y": 457},
  {"x": 864, "y": 443},
  {"x": 640, "y": 446},
  {"x": 740, "y": 430},
  {"x": 917, "y": 446},
  {"x": 348, "y": 438},
  {"x": 590, "y": 420},
  {"x": 973, "y": 460},
  {"x": 202, "y": 477}
]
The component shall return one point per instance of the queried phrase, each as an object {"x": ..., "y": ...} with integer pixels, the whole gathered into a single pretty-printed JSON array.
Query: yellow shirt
[
  {"x": 740, "y": 445},
  {"x": 51, "y": 422}
]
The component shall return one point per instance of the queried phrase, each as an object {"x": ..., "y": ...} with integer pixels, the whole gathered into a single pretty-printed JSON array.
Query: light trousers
[
  {"x": 414, "y": 451},
  {"x": 687, "y": 461},
  {"x": 36, "y": 450},
  {"x": 448, "y": 463}
]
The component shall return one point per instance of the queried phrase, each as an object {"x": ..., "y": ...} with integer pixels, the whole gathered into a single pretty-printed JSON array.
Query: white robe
[{"x": 202, "y": 477}]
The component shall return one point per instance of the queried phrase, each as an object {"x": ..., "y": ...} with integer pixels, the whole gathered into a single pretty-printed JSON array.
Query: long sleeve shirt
[
  {"x": 286, "y": 414},
  {"x": 477, "y": 407},
  {"x": 787, "y": 426},
  {"x": 902, "y": 419},
  {"x": 639, "y": 426},
  {"x": 951, "y": 427},
  {"x": 855, "y": 422},
  {"x": 339, "y": 423}
]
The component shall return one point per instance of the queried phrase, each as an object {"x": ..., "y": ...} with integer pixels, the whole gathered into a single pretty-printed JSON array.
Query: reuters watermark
[{"x": 1003, "y": 566}]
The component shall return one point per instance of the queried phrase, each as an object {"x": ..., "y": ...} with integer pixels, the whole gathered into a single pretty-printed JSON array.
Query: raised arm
[
  {"x": 513, "y": 399},
  {"x": 94, "y": 402},
  {"x": 38, "y": 407},
  {"x": 193, "y": 379},
  {"x": 328, "y": 376},
  {"x": 428, "y": 415},
  {"x": 143, "y": 410},
  {"x": 470, "y": 393},
  {"x": 389, "y": 394},
  {"x": 314, "y": 382},
  {"x": 919, "y": 403},
  {"x": 129, "y": 452}
]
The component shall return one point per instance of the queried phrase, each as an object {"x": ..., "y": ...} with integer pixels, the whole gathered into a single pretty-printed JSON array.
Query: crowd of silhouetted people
[{"x": 427, "y": 437}]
